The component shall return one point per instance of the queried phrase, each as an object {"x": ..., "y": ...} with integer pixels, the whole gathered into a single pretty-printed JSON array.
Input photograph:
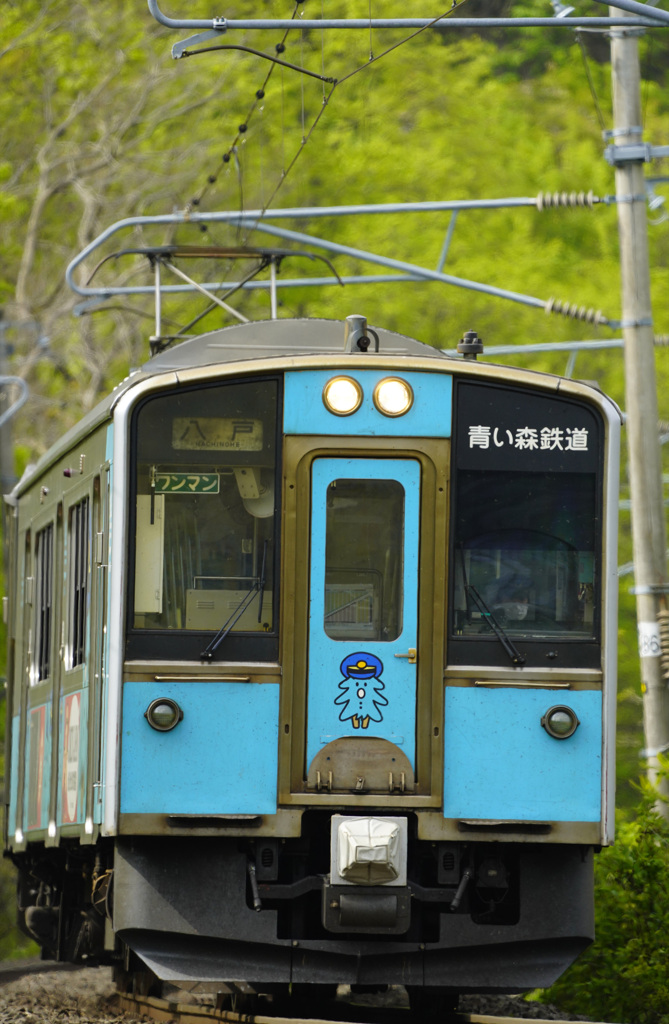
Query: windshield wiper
[
  {"x": 516, "y": 657},
  {"x": 257, "y": 588}
]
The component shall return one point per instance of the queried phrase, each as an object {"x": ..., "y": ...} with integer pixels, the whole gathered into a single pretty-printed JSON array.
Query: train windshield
[
  {"x": 526, "y": 556},
  {"x": 526, "y": 535},
  {"x": 205, "y": 511}
]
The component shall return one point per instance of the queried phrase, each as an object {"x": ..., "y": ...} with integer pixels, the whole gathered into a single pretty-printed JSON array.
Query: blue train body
[{"x": 312, "y": 667}]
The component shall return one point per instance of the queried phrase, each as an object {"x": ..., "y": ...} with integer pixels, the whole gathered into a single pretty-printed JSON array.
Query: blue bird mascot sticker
[{"x": 361, "y": 697}]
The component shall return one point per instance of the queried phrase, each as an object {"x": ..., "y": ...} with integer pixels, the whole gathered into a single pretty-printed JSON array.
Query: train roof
[
  {"x": 266, "y": 339},
  {"x": 262, "y": 339},
  {"x": 243, "y": 343}
]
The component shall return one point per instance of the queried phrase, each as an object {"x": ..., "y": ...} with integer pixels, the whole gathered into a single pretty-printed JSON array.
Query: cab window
[
  {"x": 526, "y": 528},
  {"x": 204, "y": 519},
  {"x": 528, "y": 555}
]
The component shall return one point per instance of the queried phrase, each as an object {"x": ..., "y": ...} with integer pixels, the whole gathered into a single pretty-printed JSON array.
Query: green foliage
[
  {"x": 14, "y": 944},
  {"x": 623, "y": 975}
]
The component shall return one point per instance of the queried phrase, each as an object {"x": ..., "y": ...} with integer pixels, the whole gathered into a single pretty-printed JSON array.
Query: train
[{"x": 312, "y": 668}]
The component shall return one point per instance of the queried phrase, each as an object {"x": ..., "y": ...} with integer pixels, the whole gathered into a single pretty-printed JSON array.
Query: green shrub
[
  {"x": 623, "y": 976},
  {"x": 14, "y": 945}
]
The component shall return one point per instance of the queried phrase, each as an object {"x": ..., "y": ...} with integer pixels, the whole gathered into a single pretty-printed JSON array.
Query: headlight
[
  {"x": 560, "y": 722},
  {"x": 163, "y": 714},
  {"x": 342, "y": 396},
  {"x": 393, "y": 396}
]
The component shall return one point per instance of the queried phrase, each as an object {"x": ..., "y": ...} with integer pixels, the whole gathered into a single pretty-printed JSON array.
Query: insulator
[
  {"x": 661, "y": 339},
  {"x": 663, "y": 623},
  {"x": 546, "y": 200},
  {"x": 575, "y": 312}
]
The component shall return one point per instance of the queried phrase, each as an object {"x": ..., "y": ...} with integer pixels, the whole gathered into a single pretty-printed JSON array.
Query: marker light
[
  {"x": 163, "y": 714},
  {"x": 342, "y": 396},
  {"x": 560, "y": 722},
  {"x": 393, "y": 396}
]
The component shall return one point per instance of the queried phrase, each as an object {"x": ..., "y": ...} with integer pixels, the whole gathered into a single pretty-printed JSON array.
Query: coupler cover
[
  {"x": 368, "y": 850},
  {"x": 367, "y": 891}
]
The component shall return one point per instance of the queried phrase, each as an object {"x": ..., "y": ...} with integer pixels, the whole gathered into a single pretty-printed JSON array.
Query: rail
[{"x": 185, "y": 1013}]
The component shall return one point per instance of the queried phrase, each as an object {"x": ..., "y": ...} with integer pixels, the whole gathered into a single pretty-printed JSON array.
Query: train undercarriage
[{"x": 472, "y": 917}]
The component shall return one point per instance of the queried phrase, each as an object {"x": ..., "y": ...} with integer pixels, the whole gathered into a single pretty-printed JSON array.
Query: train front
[{"x": 366, "y": 687}]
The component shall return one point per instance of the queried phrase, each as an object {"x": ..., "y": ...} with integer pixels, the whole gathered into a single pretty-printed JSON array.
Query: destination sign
[{"x": 213, "y": 433}]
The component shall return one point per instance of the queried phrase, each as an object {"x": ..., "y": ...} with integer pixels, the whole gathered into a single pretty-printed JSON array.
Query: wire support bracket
[
  {"x": 654, "y": 751},
  {"x": 199, "y": 37},
  {"x": 636, "y": 152},
  {"x": 618, "y": 133},
  {"x": 632, "y": 199},
  {"x": 645, "y": 15},
  {"x": 7, "y": 382},
  {"x": 645, "y": 321},
  {"x": 650, "y": 588}
]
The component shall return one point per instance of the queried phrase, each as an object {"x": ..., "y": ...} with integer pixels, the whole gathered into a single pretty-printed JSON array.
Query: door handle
[{"x": 412, "y": 656}]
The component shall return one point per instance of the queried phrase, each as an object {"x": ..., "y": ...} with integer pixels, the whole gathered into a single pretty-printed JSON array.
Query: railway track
[
  {"x": 146, "y": 1007},
  {"x": 183, "y": 1013},
  {"x": 12, "y": 970}
]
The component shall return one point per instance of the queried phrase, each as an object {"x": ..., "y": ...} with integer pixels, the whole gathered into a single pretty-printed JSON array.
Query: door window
[{"x": 364, "y": 560}]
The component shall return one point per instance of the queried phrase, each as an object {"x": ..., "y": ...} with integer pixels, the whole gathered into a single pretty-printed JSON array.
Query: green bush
[
  {"x": 623, "y": 976},
  {"x": 14, "y": 945}
]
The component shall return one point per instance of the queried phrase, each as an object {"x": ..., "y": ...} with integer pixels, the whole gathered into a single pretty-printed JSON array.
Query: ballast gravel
[
  {"x": 61, "y": 997},
  {"x": 87, "y": 997}
]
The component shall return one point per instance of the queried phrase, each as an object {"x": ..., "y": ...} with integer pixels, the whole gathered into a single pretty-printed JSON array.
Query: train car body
[{"x": 312, "y": 666}]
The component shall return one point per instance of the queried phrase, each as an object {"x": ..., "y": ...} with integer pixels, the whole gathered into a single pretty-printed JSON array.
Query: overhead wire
[
  {"x": 373, "y": 59},
  {"x": 232, "y": 152},
  {"x": 243, "y": 126},
  {"x": 591, "y": 84},
  {"x": 327, "y": 80}
]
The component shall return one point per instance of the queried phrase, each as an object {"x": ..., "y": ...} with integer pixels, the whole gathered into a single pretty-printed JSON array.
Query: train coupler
[{"x": 375, "y": 910}]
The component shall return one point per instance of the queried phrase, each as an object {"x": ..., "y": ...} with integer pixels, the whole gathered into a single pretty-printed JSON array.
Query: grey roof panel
[{"x": 271, "y": 338}]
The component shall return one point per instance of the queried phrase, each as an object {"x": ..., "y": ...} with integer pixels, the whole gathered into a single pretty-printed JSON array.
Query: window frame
[
  {"x": 44, "y": 601},
  {"x": 78, "y": 580},
  {"x": 551, "y": 650},
  {"x": 180, "y": 644},
  {"x": 385, "y": 598}
]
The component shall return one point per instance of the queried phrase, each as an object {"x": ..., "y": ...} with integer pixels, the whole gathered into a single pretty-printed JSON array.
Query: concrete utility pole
[{"x": 645, "y": 470}]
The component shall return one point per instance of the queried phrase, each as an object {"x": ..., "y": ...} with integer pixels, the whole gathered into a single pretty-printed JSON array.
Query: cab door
[{"x": 363, "y": 606}]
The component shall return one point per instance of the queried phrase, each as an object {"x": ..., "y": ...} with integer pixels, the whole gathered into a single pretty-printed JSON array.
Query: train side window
[
  {"x": 43, "y": 605},
  {"x": 364, "y": 560},
  {"x": 78, "y": 574},
  {"x": 204, "y": 510}
]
